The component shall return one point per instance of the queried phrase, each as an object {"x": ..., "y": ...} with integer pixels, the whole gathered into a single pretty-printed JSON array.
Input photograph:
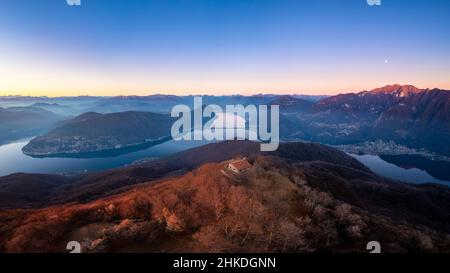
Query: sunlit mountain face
[{"x": 338, "y": 138}]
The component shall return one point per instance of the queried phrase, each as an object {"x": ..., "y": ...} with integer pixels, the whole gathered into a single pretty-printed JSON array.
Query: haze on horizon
[{"x": 220, "y": 47}]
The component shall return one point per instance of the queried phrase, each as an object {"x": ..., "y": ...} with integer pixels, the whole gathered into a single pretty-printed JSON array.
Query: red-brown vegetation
[{"x": 273, "y": 206}]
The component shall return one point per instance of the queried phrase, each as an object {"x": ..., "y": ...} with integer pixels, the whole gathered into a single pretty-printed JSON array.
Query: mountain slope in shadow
[
  {"x": 101, "y": 184},
  {"x": 21, "y": 122}
]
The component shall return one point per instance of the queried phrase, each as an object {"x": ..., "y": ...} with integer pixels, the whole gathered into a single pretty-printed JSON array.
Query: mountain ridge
[
  {"x": 103, "y": 183},
  {"x": 410, "y": 116}
]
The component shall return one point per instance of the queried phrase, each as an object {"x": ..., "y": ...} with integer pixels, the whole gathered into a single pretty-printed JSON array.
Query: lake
[
  {"x": 412, "y": 174},
  {"x": 12, "y": 160}
]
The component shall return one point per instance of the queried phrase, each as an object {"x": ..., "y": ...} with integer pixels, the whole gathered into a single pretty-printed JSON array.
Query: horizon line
[{"x": 327, "y": 94}]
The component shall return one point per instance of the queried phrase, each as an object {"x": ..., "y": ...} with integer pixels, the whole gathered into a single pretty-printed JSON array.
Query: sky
[{"x": 140, "y": 47}]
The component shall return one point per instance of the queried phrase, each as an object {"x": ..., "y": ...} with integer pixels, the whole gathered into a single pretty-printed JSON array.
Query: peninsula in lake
[{"x": 93, "y": 133}]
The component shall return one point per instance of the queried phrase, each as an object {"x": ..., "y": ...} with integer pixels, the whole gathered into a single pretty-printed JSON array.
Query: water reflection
[{"x": 389, "y": 170}]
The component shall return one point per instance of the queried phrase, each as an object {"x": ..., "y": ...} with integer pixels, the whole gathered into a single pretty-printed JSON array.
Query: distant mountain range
[
  {"x": 55, "y": 108},
  {"x": 152, "y": 103},
  {"x": 302, "y": 198},
  {"x": 410, "y": 116},
  {"x": 292, "y": 105},
  {"x": 94, "y": 132},
  {"x": 22, "y": 122}
]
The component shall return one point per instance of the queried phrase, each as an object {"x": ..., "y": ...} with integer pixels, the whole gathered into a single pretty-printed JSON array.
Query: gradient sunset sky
[{"x": 112, "y": 47}]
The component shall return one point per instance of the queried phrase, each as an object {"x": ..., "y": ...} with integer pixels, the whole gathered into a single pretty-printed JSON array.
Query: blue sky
[{"x": 110, "y": 47}]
